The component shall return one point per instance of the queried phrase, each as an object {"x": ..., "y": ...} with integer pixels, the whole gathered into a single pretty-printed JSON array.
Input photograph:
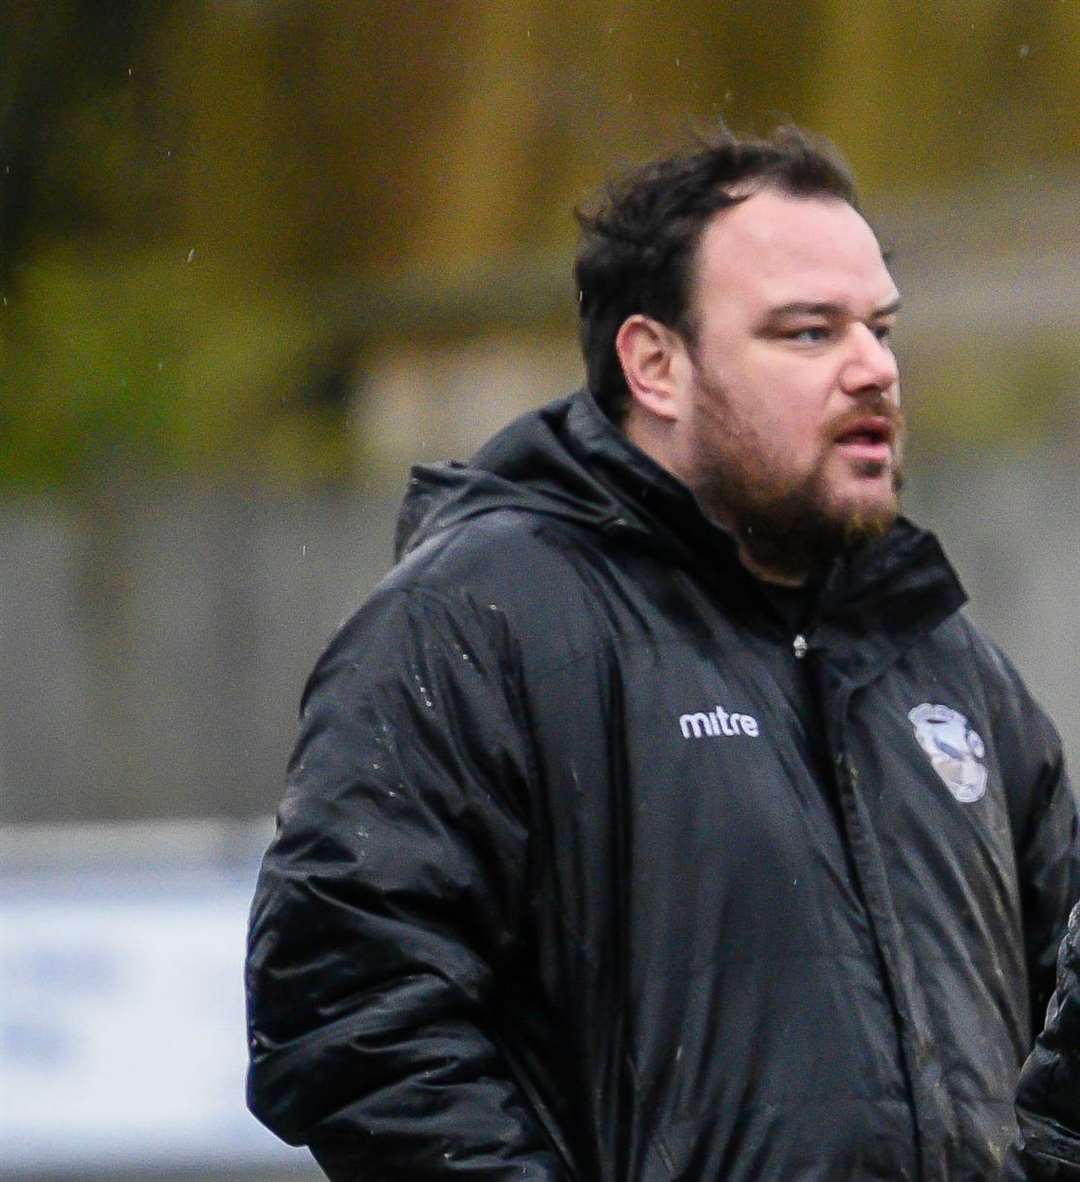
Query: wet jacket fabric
[
  {"x": 1047, "y": 1147},
  {"x": 588, "y": 869}
]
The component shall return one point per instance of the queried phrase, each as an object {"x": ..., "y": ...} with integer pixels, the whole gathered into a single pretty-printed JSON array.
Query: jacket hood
[
  {"x": 565, "y": 460},
  {"x": 568, "y": 461}
]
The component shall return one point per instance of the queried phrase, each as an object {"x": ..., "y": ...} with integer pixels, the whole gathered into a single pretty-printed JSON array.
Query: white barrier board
[{"x": 121, "y": 1021}]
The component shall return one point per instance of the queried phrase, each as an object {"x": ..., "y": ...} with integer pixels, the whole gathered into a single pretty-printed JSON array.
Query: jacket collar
[
  {"x": 569, "y": 462},
  {"x": 880, "y": 598}
]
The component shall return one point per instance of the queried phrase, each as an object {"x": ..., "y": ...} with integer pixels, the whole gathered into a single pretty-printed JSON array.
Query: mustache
[{"x": 875, "y": 407}]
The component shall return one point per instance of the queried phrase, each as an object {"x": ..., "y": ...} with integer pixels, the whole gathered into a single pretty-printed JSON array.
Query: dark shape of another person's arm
[
  {"x": 1048, "y": 861},
  {"x": 1047, "y": 1148},
  {"x": 1044, "y": 820}
]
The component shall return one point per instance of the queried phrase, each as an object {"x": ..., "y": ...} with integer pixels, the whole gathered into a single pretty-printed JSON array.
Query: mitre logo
[
  {"x": 714, "y": 723},
  {"x": 955, "y": 749}
]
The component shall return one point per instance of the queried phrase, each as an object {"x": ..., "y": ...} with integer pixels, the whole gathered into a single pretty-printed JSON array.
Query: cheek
[
  {"x": 787, "y": 428},
  {"x": 805, "y": 407},
  {"x": 791, "y": 395},
  {"x": 771, "y": 406}
]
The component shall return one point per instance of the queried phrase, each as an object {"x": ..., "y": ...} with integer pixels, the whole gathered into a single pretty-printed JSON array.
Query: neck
[{"x": 647, "y": 434}]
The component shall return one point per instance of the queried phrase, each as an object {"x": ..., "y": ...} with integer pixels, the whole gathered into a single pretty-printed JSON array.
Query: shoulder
[
  {"x": 1006, "y": 693},
  {"x": 1026, "y": 744},
  {"x": 511, "y": 578},
  {"x": 1025, "y": 737},
  {"x": 521, "y": 562},
  {"x": 483, "y": 548}
]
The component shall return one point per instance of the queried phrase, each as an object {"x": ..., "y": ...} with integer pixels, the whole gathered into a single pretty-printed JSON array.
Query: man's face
[{"x": 790, "y": 429}]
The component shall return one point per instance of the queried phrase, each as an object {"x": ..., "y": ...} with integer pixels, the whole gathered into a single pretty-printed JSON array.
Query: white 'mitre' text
[{"x": 714, "y": 723}]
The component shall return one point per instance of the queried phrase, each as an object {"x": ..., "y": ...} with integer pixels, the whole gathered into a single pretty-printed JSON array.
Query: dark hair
[{"x": 639, "y": 240}]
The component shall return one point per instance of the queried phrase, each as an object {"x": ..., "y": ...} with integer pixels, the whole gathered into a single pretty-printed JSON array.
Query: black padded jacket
[{"x": 589, "y": 869}]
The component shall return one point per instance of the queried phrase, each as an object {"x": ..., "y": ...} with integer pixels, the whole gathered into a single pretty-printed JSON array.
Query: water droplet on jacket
[{"x": 423, "y": 690}]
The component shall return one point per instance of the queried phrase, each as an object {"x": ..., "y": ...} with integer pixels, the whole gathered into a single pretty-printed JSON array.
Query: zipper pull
[{"x": 799, "y": 646}]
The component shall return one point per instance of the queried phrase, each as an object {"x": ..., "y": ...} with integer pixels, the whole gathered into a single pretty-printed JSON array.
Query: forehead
[{"x": 775, "y": 249}]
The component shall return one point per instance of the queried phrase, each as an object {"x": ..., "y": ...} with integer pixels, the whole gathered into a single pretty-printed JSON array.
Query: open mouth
[{"x": 870, "y": 438}]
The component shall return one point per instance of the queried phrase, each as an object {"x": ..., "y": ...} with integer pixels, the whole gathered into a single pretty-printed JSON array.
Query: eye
[
  {"x": 883, "y": 332},
  {"x": 810, "y": 335}
]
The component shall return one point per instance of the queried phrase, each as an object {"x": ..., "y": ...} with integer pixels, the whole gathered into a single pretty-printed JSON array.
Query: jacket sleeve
[
  {"x": 387, "y": 900},
  {"x": 1047, "y": 1147}
]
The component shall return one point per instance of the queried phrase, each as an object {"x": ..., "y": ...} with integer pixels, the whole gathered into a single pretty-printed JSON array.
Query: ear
[{"x": 651, "y": 355}]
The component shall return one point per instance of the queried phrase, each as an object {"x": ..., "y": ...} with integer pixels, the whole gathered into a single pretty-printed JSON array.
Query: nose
[{"x": 870, "y": 365}]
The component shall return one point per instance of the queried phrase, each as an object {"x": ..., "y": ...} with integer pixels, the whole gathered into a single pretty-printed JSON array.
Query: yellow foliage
[{"x": 196, "y": 210}]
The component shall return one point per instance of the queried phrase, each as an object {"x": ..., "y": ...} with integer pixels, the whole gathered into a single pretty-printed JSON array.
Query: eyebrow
[{"x": 804, "y": 308}]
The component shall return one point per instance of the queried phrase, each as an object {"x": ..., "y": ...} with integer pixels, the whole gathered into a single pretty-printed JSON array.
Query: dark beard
[{"x": 794, "y": 534}]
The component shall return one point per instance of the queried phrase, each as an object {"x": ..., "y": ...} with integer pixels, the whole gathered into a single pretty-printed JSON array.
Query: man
[{"x": 660, "y": 817}]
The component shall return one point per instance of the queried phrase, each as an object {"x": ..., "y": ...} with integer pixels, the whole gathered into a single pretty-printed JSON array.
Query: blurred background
[{"x": 257, "y": 257}]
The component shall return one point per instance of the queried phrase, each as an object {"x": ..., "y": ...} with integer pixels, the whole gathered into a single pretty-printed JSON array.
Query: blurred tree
[{"x": 209, "y": 212}]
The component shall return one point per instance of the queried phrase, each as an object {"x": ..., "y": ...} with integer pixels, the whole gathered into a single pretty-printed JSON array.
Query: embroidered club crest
[{"x": 955, "y": 750}]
